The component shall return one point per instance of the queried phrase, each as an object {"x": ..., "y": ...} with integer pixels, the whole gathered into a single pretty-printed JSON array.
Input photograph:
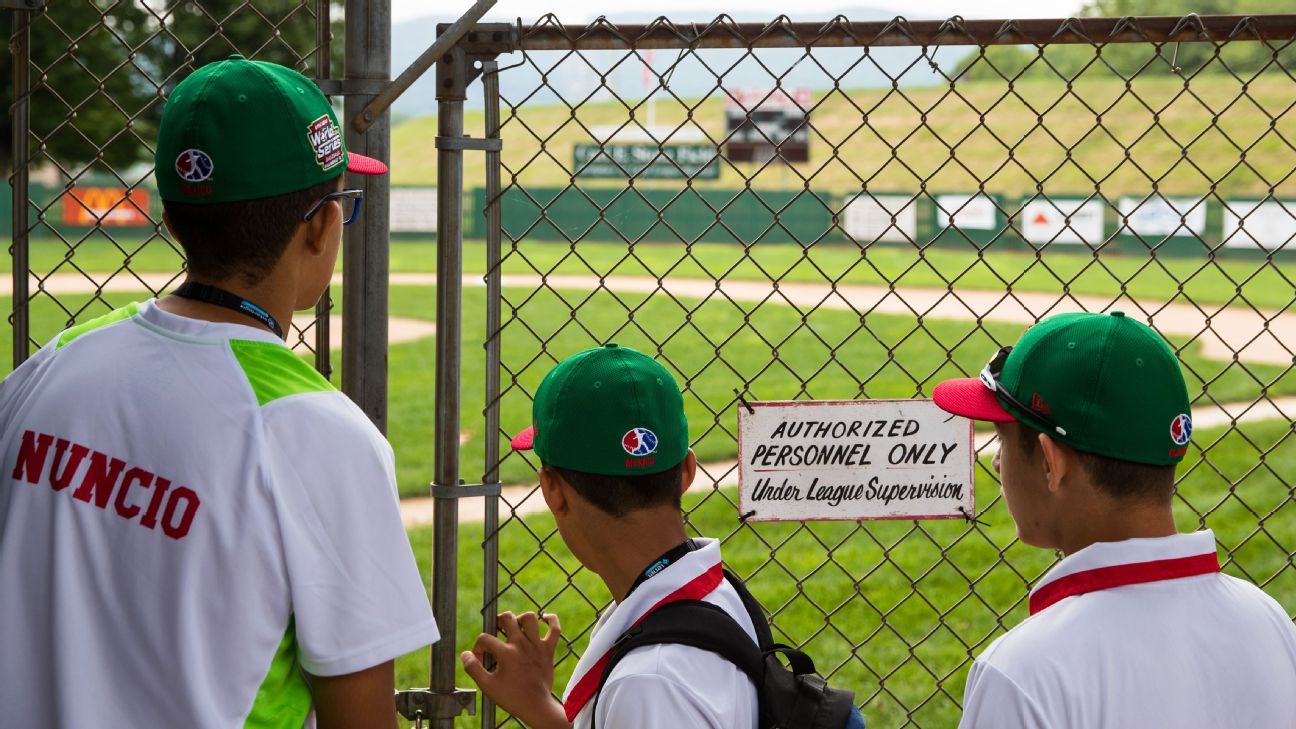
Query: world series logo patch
[
  {"x": 194, "y": 165},
  {"x": 326, "y": 141},
  {"x": 639, "y": 442},
  {"x": 1181, "y": 430}
]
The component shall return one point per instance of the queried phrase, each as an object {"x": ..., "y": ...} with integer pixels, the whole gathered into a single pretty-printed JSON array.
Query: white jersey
[
  {"x": 1136, "y": 634},
  {"x": 666, "y": 686},
  {"x": 190, "y": 517}
]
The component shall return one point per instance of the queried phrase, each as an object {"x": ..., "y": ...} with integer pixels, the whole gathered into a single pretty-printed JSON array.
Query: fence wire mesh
[
  {"x": 946, "y": 198},
  {"x": 88, "y": 223}
]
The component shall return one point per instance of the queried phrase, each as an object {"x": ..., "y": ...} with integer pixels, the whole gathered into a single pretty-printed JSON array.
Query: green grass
[
  {"x": 943, "y": 587},
  {"x": 939, "y": 587},
  {"x": 779, "y": 352},
  {"x": 1259, "y": 281},
  {"x": 1065, "y": 137},
  {"x": 909, "y": 604}
]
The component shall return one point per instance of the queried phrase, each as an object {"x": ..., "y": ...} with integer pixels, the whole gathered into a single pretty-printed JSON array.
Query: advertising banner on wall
[
  {"x": 1161, "y": 217},
  {"x": 413, "y": 209},
  {"x": 885, "y": 218},
  {"x": 966, "y": 212},
  {"x": 1054, "y": 220},
  {"x": 1267, "y": 225},
  {"x": 117, "y": 207}
]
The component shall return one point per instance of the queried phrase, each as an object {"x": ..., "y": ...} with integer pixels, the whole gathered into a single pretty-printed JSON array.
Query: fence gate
[
  {"x": 847, "y": 210},
  {"x": 89, "y": 81}
]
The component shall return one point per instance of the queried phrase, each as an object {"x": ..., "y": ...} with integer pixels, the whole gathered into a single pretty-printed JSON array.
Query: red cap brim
[
  {"x": 525, "y": 440},
  {"x": 970, "y": 398},
  {"x": 362, "y": 165}
]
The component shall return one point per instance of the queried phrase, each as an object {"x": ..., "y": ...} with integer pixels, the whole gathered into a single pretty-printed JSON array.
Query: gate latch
[{"x": 419, "y": 704}]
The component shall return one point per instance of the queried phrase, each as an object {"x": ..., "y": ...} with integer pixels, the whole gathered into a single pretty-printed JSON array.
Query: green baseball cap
[
  {"x": 1101, "y": 383},
  {"x": 240, "y": 130},
  {"x": 609, "y": 410}
]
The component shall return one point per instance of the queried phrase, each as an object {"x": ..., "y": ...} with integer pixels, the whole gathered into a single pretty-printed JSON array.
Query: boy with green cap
[
  {"x": 1136, "y": 626},
  {"x": 196, "y": 529},
  {"x": 609, "y": 430}
]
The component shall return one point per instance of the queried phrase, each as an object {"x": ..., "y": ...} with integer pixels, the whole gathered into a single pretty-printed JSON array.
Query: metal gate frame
[{"x": 476, "y": 55}]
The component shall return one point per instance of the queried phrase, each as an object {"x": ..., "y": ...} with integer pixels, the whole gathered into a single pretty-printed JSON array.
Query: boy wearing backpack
[
  {"x": 679, "y": 648},
  {"x": 610, "y": 431}
]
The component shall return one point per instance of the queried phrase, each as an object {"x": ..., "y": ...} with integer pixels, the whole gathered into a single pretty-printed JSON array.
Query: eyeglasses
[
  {"x": 356, "y": 195},
  {"x": 990, "y": 378}
]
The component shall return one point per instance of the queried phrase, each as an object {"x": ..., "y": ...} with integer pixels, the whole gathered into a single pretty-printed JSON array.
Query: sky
[{"x": 578, "y": 10}]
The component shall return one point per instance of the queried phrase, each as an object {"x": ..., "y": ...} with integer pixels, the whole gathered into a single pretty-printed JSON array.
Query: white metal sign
[
  {"x": 413, "y": 209},
  {"x": 1163, "y": 216},
  {"x": 869, "y": 218},
  {"x": 1062, "y": 221},
  {"x": 967, "y": 212},
  {"x": 874, "y": 459},
  {"x": 1266, "y": 225}
]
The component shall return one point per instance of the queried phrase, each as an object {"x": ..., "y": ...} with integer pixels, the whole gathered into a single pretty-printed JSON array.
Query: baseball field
[
  {"x": 869, "y": 215},
  {"x": 901, "y": 623}
]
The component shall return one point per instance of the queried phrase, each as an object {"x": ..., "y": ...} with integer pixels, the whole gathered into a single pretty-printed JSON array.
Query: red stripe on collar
[
  {"x": 695, "y": 589},
  {"x": 1119, "y": 575}
]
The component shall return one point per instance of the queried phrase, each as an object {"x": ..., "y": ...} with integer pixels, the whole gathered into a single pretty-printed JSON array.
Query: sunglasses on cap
[{"x": 990, "y": 378}]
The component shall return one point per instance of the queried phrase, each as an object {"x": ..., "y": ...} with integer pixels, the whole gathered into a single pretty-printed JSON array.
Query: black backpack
[{"x": 791, "y": 696}]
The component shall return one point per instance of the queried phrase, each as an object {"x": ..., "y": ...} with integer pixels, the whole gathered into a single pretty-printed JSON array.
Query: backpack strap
[
  {"x": 798, "y": 661},
  {"x": 764, "y": 636},
  {"x": 693, "y": 623}
]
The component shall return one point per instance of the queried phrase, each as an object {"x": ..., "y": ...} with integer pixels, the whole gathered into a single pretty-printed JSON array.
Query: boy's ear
[
  {"x": 316, "y": 229},
  {"x": 554, "y": 491},
  {"x": 1059, "y": 460},
  {"x": 166, "y": 223},
  {"x": 688, "y": 471}
]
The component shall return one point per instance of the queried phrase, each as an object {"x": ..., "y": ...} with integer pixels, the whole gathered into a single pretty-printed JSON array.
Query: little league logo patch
[
  {"x": 194, "y": 165},
  {"x": 325, "y": 140},
  {"x": 1181, "y": 430},
  {"x": 639, "y": 442}
]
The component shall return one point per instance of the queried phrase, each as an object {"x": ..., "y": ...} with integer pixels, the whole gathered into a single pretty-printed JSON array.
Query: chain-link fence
[
  {"x": 776, "y": 211},
  {"x": 851, "y": 210},
  {"x": 90, "y": 78}
]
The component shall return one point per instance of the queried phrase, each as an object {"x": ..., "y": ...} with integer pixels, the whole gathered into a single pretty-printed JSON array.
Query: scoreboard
[{"x": 763, "y": 124}]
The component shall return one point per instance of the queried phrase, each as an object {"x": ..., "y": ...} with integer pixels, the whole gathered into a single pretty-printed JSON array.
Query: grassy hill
[{"x": 1102, "y": 132}]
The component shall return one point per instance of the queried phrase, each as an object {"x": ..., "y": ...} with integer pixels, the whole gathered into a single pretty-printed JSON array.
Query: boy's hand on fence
[{"x": 522, "y": 680}]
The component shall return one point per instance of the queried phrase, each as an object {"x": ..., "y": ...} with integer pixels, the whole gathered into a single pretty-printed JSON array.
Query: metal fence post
[
  {"x": 323, "y": 69},
  {"x": 449, "y": 307},
  {"x": 20, "y": 52},
  {"x": 490, "y": 548},
  {"x": 365, "y": 258}
]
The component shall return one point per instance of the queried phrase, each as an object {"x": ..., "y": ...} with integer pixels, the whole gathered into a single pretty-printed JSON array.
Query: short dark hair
[
  {"x": 244, "y": 238},
  {"x": 620, "y": 495},
  {"x": 1118, "y": 478}
]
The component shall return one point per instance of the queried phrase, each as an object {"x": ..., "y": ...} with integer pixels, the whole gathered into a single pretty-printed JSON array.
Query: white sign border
[{"x": 743, "y": 509}]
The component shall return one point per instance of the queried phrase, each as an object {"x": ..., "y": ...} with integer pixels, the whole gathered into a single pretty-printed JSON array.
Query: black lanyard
[
  {"x": 221, "y": 297},
  {"x": 662, "y": 563}
]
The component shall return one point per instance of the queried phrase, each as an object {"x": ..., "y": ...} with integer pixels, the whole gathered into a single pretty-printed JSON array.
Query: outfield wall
[
  {"x": 1177, "y": 226},
  {"x": 1174, "y": 226}
]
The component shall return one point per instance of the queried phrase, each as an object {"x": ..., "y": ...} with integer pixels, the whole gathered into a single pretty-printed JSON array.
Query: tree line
[
  {"x": 101, "y": 69},
  {"x": 1128, "y": 60}
]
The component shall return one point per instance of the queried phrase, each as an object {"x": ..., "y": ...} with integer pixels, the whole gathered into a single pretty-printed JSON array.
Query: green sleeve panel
[
  {"x": 284, "y": 700},
  {"x": 112, "y": 317},
  {"x": 275, "y": 372}
]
